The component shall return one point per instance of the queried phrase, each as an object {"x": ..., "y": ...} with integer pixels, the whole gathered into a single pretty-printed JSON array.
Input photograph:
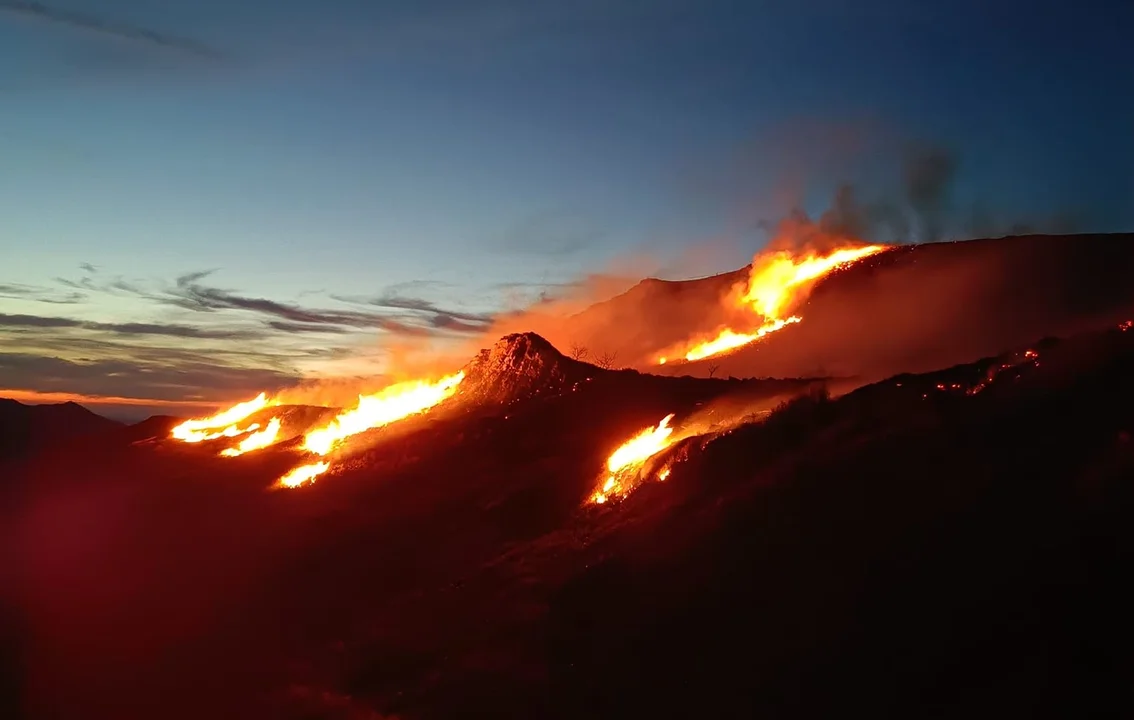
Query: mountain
[
  {"x": 949, "y": 543},
  {"x": 914, "y": 308},
  {"x": 24, "y": 429}
]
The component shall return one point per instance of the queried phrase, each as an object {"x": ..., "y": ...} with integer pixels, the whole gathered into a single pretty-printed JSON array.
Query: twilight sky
[{"x": 202, "y": 198}]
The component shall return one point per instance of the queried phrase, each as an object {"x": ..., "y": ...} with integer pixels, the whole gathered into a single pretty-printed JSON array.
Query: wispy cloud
[
  {"x": 168, "y": 330},
  {"x": 174, "y": 380},
  {"x": 552, "y": 232},
  {"x": 426, "y": 311},
  {"x": 34, "y": 293},
  {"x": 192, "y": 340},
  {"x": 192, "y": 294},
  {"x": 103, "y": 26}
]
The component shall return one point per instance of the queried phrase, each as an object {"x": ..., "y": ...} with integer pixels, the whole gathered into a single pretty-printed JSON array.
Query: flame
[
  {"x": 223, "y": 424},
  {"x": 382, "y": 408},
  {"x": 389, "y": 405},
  {"x": 303, "y": 474},
  {"x": 777, "y": 283},
  {"x": 256, "y": 440},
  {"x": 627, "y": 460}
]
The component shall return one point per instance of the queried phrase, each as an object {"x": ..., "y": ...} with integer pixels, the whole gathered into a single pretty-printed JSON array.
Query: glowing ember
[
  {"x": 391, "y": 404},
  {"x": 777, "y": 284},
  {"x": 303, "y": 474},
  {"x": 223, "y": 424},
  {"x": 256, "y": 440},
  {"x": 994, "y": 371},
  {"x": 624, "y": 463}
]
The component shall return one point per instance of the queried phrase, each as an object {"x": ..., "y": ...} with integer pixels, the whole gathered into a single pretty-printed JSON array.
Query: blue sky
[{"x": 352, "y": 171}]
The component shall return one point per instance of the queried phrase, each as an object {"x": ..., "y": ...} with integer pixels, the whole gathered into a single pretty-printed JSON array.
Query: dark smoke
[{"x": 928, "y": 174}]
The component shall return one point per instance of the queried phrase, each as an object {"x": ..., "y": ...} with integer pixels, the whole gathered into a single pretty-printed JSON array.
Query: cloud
[
  {"x": 195, "y": 341},
  {"x": 553, "y": 233},
  {"x": 290, "y": 327},
  {"x": 160, "y": 379},
  {"x": 34, "y": 293},
  {"x": 191, "y": 294},
  {"x": 94, "y": 24},
  {"x": 180, "y": 331},
  {"x": 426, "y": 311}
]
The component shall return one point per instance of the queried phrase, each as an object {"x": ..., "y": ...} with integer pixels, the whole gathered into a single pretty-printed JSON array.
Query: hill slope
[
  {"x": 912, "y": 548},
  {"x": 915, "y": 308},
  {"x": 25, "y": 429}
]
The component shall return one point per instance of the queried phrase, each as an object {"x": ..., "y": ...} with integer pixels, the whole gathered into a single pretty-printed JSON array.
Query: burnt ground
[{"x": 909, "y": 549}]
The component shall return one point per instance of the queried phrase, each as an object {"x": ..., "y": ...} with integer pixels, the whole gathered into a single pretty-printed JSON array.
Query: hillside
[
  {"x": 948, "y": 544},
  {"x": 24, "y": 429},
  {"x": 914, "y": 308}
]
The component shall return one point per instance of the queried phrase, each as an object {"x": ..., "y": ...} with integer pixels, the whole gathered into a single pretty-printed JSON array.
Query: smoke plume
[{"x": 928, "y": 174}]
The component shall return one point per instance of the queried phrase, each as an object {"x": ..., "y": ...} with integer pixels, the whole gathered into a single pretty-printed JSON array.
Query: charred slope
[
  {"x": 896, "y": 550},
  {"x": 903, "y": 550},
  {"x": 25, "y": 429},
  {"x": 913, "y": 309}
]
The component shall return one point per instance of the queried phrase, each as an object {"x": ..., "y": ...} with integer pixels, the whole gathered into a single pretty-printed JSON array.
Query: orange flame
[
  {"x": 256, "y": 440},
  {"x": 382, "y": 408},
  {"x": 303, "y": 474},
  {"x": 778, "y": 282},
  {"x": 223, "y": 424},
  {"x": 627, "y": 460},
  {"x": 389, "y": 405}
]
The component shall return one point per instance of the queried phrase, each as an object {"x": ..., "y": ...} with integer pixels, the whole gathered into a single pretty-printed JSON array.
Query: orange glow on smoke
[
  {"x": 624, "y": 464},
  {"x": 778, "y": 283},
  {"x": 223, "y": 424}
]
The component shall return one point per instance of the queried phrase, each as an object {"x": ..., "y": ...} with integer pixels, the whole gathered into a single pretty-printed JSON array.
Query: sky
[{"x": 200, "y": 199}]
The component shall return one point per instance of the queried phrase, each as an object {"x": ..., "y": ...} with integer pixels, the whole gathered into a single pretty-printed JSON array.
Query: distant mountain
[
  {"x": 911, "y": 309},
  {"x": 27, "y": 428}
]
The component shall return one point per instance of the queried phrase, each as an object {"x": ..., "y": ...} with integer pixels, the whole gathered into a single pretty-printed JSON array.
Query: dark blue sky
[{"x": 444, "y": 154}]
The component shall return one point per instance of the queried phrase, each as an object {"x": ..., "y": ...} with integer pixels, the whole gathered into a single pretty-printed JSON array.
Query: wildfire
[
  {"x": 382, "y": 408},
  {"x": 624, "y": 463},
  {"x": 391, "y": 404},
  {"x": 303, "y": 474},
  {"x": 223, "y": 424},
  {"x": 256, "y": 440},
  {"x": 777, "y": 283}
]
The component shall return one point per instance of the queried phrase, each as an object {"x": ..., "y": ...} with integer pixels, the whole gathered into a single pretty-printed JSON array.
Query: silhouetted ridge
[
  {"x": 26, "y": 428},
  {"x": 519, "y": 366}
]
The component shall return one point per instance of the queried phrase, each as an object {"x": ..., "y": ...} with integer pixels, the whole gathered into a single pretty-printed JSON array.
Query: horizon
[{"x": 217, "y": 200}]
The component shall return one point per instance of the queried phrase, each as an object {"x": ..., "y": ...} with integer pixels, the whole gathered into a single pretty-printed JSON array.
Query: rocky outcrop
[{"x": 520, "y": 366}]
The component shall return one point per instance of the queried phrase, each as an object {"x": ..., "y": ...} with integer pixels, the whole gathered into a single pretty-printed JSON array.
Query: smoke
[
  {"x": 336, "y": 392},
  {"x": 928, "y": 173},
  {"x": 616, "y": 315}
]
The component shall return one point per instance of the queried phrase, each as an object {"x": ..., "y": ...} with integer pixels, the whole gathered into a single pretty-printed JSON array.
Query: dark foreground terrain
[{"x": 942, "y": 545}]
